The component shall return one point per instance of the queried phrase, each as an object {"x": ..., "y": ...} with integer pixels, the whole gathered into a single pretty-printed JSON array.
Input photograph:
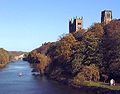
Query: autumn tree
[
  {"x": 82, "y": 55},
  {"x": 65, "y": 46},
  {"x": 4, "y": 57},
  {"x": 92, "y": 40},
  {"x": 109, "y": 48},
  {"x": 43, "y": 62},
  {"x": 87, "y": 73}
]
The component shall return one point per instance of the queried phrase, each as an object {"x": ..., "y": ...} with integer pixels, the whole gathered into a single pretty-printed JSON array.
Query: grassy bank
[
  {"x": 102, "y": 85},
  {"x": 98, "y": 87}
]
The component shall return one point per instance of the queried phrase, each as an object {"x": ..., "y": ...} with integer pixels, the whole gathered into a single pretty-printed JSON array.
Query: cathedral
[{"x": 76, "y": 24}]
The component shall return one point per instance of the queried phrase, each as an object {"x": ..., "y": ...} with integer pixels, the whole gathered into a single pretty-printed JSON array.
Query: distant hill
[
  {"x": 7, "y": 56},
  {"x": 15, "y": 53}
]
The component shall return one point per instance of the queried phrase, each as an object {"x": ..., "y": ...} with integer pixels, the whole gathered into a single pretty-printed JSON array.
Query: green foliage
[
  {"x": 83, "y": 55},
  {"x": 12, "y": 54},
  {"x": 79, "y": 34},
  {"x": 43, "y": 62},
  {"x": 65, "y": 46},
  {"x": 87, "y": 73},
  {"x": 102, "y": 85},
  {"x": 91, "y": 49},
  {"x": 91, "y": 73},
  {"x": 4, "y": 57},
  {"x": 78, "y": 80},
  {"x": 110, "y": 47}
]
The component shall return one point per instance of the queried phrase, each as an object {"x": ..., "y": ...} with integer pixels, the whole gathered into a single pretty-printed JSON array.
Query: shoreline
[
  {"x": 2, "y": 65},
  {"x": 99, "y": 90},
  {"x": 93, "y": 89}
]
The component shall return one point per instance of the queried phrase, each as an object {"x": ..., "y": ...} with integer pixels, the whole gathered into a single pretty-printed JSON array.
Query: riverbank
[
  {"x": 99, "y": 88},
  {"x": 90, "y": 86},
  {"x": 2, "y": 65},
  {"x": 11, "y": 83},
  {"x": 4, "y": 57}
]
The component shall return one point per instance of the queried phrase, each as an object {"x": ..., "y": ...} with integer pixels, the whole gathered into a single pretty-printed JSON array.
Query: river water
[{"x": 12, "y": 83}]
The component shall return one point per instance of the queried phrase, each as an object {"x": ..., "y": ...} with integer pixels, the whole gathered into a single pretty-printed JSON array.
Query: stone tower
[
  {"x": 75, "y": 24},
  {"x": 106, "y": 16}
]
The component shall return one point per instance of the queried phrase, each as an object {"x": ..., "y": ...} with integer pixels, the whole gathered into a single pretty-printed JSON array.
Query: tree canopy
[{"x": 85, "y": 54}]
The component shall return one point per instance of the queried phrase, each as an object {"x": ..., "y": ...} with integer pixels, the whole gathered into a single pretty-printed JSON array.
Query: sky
[{"x": 27, "y": 24}]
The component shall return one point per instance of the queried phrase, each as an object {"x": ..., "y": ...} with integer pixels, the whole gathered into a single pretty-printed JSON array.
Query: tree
[
  {"x": 110, "y": 44},
  {"x": 91, "y": 52},
  {"x": 65, "y": 46},
  {"x": 91, "y": 73},
  {"x": 4, "y": 57},
  {"x": 43, "y": 62},
  {"x": 88, "y": 73}
]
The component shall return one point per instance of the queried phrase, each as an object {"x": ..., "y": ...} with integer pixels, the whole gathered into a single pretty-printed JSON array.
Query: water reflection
[{"x": 11, "y": 83}]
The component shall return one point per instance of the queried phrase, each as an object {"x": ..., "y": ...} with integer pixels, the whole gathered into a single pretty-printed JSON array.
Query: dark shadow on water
[{"x": 11, "y": 83}]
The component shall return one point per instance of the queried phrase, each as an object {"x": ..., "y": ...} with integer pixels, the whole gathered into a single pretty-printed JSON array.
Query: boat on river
[{"x": 20, "y": 74}]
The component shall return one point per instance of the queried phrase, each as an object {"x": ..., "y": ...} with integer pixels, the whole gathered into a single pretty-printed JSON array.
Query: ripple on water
[{"x": 11, "y": 83}]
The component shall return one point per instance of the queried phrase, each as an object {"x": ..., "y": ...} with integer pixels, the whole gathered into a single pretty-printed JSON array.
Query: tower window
[
  {"x": 79, "y": 23},
  {"x": 108, "y": 15}
]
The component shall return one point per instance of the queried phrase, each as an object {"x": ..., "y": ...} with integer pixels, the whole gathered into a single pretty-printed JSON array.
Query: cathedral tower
[
  {"x": 75, "y": 24},
  {"x": 106, "y": 16}
]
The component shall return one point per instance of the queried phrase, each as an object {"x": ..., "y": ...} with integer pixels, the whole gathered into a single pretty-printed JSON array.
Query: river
[{"x": 12, "y": 83}]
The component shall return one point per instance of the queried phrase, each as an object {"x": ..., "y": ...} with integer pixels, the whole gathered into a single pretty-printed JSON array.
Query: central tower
[
  {"x": 106, "y": 16},
  {"x": 75, "y": 24}
]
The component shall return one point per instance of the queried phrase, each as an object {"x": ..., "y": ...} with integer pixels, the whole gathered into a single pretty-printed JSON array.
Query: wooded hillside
[{"x": 92, "y": 55}]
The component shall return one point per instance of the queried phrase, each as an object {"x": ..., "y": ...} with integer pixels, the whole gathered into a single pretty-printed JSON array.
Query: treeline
[
  {"x": 12, "y": 54},
  {"x": 7, "y": 56},
  {"x": 86, "y": 55},
  {"x": 4, "y": 57}
]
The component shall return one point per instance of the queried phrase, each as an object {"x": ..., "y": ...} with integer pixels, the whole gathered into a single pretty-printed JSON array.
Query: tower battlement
[
  {"x": 106, "y": 16},
  {"x": 75, "y": 24}
]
